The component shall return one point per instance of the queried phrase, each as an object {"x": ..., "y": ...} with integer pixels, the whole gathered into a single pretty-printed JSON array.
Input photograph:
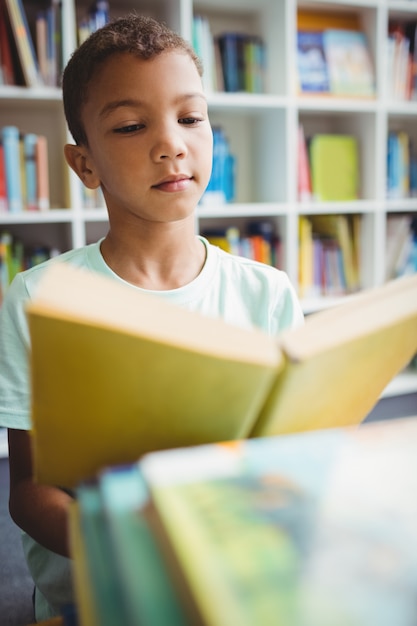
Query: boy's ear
[{"x": 78, "y": 159}]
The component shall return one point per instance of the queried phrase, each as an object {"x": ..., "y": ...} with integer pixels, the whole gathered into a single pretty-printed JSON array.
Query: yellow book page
[{"x": 339, "y": 385}]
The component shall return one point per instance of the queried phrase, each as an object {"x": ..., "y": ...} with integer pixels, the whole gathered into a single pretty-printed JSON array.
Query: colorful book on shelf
[
  {"x": 149, "y": 375},
  {"x": 307, "y": 286},
  {"x": 304, "y": 188},
  {"x": 242, "y": 61},
  {"x": 24, "y": 43},
  {"x": 7, "y": 65},
  {"x": 42, "y": 173},
  {"x": 313, "y": 528},
  {"x": 398, "y": 241},
  {"x": 334, "y": 166},
  {"x": 311, "y": 63},
  {"x": 30, "y": 166},
  {"x": 231, "y": 52},
  {"x": 10, "y": 137},
  {"x": 349, "y": 63},
  {"x": 340, "y": 229}
]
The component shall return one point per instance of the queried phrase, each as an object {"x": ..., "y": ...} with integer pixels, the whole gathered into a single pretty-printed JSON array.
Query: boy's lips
[{"x": 177, "y": 182}]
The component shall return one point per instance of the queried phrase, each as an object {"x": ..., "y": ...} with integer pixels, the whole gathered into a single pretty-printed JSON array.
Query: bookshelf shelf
[{"x": 262, "y": 128}]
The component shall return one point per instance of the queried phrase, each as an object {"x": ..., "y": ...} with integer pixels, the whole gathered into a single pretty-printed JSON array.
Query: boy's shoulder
[{"x": 87, "y": 256}]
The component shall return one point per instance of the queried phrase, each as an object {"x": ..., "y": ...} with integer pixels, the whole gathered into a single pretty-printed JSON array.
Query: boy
[{"x": 135, "y": 106}]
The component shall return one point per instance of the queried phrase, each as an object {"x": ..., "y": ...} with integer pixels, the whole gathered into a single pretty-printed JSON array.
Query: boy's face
[{"x": 150, "y": 140}]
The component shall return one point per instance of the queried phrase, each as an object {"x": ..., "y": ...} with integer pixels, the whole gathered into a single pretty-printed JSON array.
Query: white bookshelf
[{"x": 262, "y": 130}]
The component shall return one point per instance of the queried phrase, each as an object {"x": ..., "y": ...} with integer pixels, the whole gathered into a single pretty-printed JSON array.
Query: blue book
[
  {"x": 231, "y": 47},
  {"x": 102, "y": 584},
  {"x": 29, "y": 151},
  {"x": 311, "y": 62},
  {"x": 10, "y": 140},
  {"x": 149, "y": 596}
]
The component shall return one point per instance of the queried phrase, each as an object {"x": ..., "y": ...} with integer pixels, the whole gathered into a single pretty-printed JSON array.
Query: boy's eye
[
  {"x": 189, "y": 120},
  {"x": 129, "y": 128}
]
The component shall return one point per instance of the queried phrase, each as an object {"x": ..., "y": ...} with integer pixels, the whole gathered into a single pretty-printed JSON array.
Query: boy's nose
[{"x": 169, "y": 145}]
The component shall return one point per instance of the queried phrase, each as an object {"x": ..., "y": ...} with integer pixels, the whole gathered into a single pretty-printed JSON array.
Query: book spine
[
  {"x": 230, "y": 50},
  {"x": 42, "y": 172},
  {"x": 304, "y": 175},
  {"x": 24, "y": 43},
  {"x": 41, "y": 28},
  {"x": 29, "y": 150},
  {"x": 52, "y": 66},
  {"x": 149, "y": 595},
  {"x": 10, "y": 137},
  {"x": 7, "y": 65}
]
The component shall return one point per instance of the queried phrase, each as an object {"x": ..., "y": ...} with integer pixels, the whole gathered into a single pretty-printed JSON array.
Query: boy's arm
[{"x": 39, "y": 510}]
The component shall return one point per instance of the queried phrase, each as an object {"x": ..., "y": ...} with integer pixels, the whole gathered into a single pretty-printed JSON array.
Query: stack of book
[{"x": 310, "y": 529}]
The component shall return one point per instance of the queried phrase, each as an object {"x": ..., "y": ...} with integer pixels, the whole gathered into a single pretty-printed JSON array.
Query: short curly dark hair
[{"x": 141, "y": 36}]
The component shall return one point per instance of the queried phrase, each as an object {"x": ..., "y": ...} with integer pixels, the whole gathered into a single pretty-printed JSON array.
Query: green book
[
  {"x": 334, "y": 163},
  {"x": 100, "y": 601},
  {"x": 148, "y": 593}
]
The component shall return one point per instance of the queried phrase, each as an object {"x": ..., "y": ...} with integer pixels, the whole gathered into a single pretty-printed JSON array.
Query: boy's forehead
[
  {"x": 120, "y": 62},
  {"x": 125, "y": 71}
]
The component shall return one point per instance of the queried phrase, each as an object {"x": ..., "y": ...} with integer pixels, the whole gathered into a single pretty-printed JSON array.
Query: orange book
[{"x": 42, "y": 173}]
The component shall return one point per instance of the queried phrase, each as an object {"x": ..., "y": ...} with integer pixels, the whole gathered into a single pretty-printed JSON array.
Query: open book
[{"x": 117, "y": 373}]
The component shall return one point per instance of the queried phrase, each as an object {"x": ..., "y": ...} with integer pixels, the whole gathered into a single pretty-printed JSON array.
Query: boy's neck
[{"x": 155, "y": 265}]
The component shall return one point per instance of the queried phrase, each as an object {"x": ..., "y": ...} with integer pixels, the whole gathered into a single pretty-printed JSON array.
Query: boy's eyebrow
[{"x": 109, "y": 107}]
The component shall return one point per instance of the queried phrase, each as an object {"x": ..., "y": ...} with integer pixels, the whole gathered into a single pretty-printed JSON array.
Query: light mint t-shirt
[{"x": 240, "y": 291}]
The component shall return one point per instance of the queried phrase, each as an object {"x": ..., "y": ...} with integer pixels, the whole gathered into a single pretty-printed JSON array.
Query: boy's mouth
[{"x": 178, "y": 182}]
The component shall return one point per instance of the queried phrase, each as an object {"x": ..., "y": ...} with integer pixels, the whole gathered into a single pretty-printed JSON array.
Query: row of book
[
  {"x": 30, "y": 43},
  {"x": 330, "y": 252},
  {"x": 15, "y": 257},
  {"x": 328, "y": 167},
  {"x": 333, "y": 56},
  {"x": 221, "y": 186},
  {"x": 31, "y": 40},
  {"x": 329, "y": 255},
  {"x": 259, "y": 242},
  {"x": 233, "y": 61},
  {"x": 24, "y": 175}
]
